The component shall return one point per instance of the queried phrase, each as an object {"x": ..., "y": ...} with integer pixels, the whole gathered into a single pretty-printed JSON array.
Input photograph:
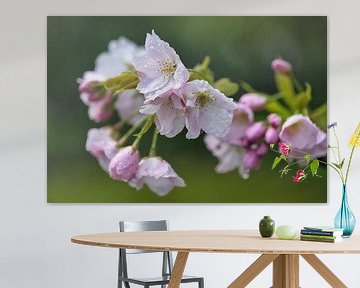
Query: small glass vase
[{"x": 345, "y": 219}]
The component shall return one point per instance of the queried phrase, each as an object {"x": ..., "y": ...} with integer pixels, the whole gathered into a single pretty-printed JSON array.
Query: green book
[
  {"x": 319, "y": 236},
  {"x": 325, "y": 240}
]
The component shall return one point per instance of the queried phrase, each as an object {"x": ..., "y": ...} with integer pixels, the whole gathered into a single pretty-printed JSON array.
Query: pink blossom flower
[
  {"x": 281, "y": 66},
  {"x": 230, "y": 156},
  {"x": 284, "y": 148},
  {"x": 170, "y": 115},
  {"x": 207, "y": 109},
  {"x": 252, "y": 160},
  {"x": 159, "y": 68},
  {"x": 128, "y": 104},
  {"x": 254, "y": 101},
  {"x": 117, "y": 58},
  {"x": 272, "y": 135},
  {"x": 299, "y": 176},
  {"x": 100, "y": 144},
  {"x": 242, "y": 120},
  {"x": 124, "y": 165},
  {"x": 255, "y": 132},
  {"x": 89, "y": 87},
  {"x": 303, "y": 135},
  {"x": 108, "y": 64},
  {"x": 274, "y": 120},
  {"x": 158, "y": 175},
  {"x": 101, "y": 110}
]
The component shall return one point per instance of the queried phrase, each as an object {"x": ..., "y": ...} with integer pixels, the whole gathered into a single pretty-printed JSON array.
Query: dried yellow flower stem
[
  {"x": 355, "y": 137},
  {"x": 354, "y": 142}
]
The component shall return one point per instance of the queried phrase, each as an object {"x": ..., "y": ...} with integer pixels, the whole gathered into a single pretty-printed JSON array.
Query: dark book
[{"x": 321, "y": 233}]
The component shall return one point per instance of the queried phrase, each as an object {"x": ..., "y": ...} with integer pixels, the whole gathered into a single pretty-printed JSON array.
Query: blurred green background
[{"x": 240, "y": 48}]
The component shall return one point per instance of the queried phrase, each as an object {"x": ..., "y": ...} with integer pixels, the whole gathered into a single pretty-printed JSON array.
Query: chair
[{"x": 167, "y": 262}]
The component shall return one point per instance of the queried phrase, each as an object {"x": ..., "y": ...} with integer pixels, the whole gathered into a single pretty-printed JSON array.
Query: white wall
[{"x": 35, "y": 248}]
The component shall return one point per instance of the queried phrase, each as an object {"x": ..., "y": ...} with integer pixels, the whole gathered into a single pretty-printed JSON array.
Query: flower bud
[
  {"x": 90, "y": 88},
  {"x": 253, "y": 101},
  {"x": 284, "y": 148},
  {"x": 100, "y": 144},
  {"x": 255, "y": 131},
  {"x": 281, "y": 66},
  {"x": 274, "y": 120},
  {"x": 272, "y": 135},
  {"x": 251, "y": 160},
  {"x": 124, "y": 165},
  {"x": 262, "y": 149},
  {"x": 101, "y": 110}
]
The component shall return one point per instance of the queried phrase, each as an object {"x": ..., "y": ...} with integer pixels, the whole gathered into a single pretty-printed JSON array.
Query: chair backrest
[{"x": 137, "y": 226}]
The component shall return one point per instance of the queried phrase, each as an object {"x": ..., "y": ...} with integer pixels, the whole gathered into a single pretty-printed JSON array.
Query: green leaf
[
  {"x": 314, "y": 167},
  {"x": 342, "y": 163},
  {"x": 285, "y": 86},
  {"x": 277, "y": 161},
  {"x": 307, "y": 157},
  {"x": 339, "y": 166},
  {"x": 336, "y": 165},
  {"x": 319, "y": 116},
  {"x": 226, "y": 86},
  {"x": 276, "y": 107},
  {"x": 247, "y": 87},
  {"x": 202, "y": 71},
  {"x": 272, "y": 146},
  {"x": 126, "y": 80},
  {"x": 303, "y": 98}
]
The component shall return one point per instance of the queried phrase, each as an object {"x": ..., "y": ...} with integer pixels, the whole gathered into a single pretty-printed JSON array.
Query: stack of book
[{"x": 321, "y": 234}]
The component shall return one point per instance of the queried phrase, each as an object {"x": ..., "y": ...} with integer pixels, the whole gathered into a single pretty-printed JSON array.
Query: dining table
[{"x": 282, "y": 254}]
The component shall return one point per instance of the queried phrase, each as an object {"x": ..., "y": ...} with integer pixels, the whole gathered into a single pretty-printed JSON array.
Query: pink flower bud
[
  {"x": 281, "y": 66},
  {"x": 251, "y": 160},
  {"x": 244, "y": 142},
  {"x": 255, "y": 131},
  {"x": 101, "y": 110},
  {"x": 262, "y": 149},
  {"x": 253, "y": 101},
  {"x": 272, "y": 135},
  {"x": 274, "y": 120},
  {"x": 299, "y": 176},
  {"x": 100, "y": 144},
  {"x": 89, "y": 87},
  {"x": 284, "y": 148},
  {"x": 124, "y": 165}
]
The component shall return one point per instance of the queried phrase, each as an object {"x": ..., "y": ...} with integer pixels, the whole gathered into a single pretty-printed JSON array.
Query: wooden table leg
[
  {"x": 324, "y": 271},
  {"x": 253, "y": 270},
  {"x": 286, "y": 271},
  {"x": 178, "y": 269}
]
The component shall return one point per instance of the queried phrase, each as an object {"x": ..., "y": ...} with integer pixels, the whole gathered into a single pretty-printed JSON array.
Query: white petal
[
  {"x": 158, "y": 49},
  {"x": 149, "y": 109},
  {"x": 170, "y": 121},
  {"x": 153, "y": 166},
  {"x": 128, "y": 104},
  {"x": 192, "y": 123},
  {"x": 216, "y": 117},
  {"x": 118, "y": 57},
  {"x": 181, "y": 75},
  {"x": 160, "y": 186}
]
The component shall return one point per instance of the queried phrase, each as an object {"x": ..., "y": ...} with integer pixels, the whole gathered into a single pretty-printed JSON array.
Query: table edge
[{"x": 203, "y": 250}]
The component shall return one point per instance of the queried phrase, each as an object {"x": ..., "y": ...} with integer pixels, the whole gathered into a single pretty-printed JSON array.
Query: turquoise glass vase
[{"x": 345, "y": 219}]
